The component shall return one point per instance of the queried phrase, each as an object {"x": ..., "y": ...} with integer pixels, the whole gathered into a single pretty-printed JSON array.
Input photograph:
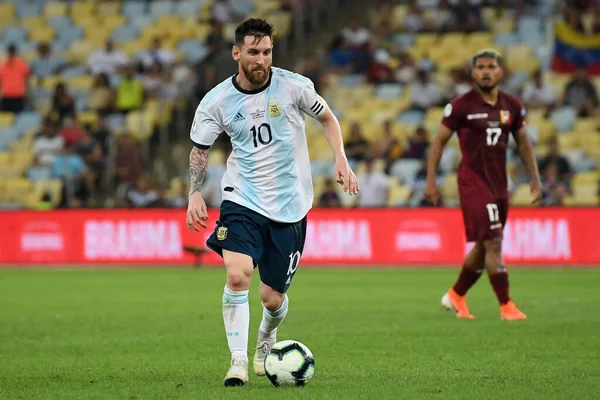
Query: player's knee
[
  {"x": 271, "y": 298},
  {"x": 238, "y": 278},
  {"x": 493, "y": 245}
]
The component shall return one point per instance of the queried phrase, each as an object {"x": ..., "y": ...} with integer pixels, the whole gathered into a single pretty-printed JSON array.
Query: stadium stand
[{"x": 99, "y": 86}]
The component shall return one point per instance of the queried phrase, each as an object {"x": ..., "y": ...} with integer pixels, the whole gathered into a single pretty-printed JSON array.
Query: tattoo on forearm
[{"x": 198, "y": 166}]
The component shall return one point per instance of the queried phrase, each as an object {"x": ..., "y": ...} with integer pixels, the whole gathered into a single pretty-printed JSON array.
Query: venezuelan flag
[{"x": 573, "y": 49}]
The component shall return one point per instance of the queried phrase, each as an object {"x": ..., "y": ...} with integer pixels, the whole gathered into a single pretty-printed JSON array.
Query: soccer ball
[{"x": 289, "y": 363}]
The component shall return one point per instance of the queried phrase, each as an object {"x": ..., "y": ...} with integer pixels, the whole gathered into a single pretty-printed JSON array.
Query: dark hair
[
  {"x": 256, "y": 27},
  {"x": 487, "y": 53}
]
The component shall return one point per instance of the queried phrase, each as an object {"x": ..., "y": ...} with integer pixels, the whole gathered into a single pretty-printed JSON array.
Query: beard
[
  {"x": 254, "y": 77},
  {"x": 486, "y": 88}
]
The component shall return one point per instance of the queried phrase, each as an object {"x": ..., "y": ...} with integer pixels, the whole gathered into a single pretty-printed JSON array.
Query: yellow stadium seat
[
  {"x": 4, "y": 158},
  {"x": 587, "y": 140},
  {"x": 7, "y": 12},
  {"x": 81, "y": 9},
  {"x": 449, "y": 189},
  {"x": 6, "y": 119},
  {"x": 566, "y": 141},
  {"x": 139, "y": 124},
  {"x": 23, "y": 144},
  {"x": 80, "y": 50},
  {"x": 42, "y": 34},
  {"x": 586, "y": 125},
  {"x": 18, "y": 189},
  {"x": 399, "y": 194},
  {"x": 399, "y": 12},
  {"x": 22, "y": 158},
  {"x": 81, "y": 82},
  {"x": 110, "y": 24},
  {"x": 87, "y": 117},
  {"x": 426, "y": 40},
  {"x": 32, "y": 23},
  {"x": 109, "y": 8},
  {"x": 480, "y": 39},
  {"x": 521, "y": 196},
  {"x": 582, "y": 201},
  {"x": 53, "y": 187},
  {"x": 546, "y": 129},
  {"x": 55, "y": 9},
  {"x": 503, "y": 25},
  {"x": 216, "y": 157},
  {"x": 586, "y": 178}
]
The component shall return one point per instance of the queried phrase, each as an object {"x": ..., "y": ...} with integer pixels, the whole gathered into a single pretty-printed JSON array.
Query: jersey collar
[{"x": 255, "y": 91}]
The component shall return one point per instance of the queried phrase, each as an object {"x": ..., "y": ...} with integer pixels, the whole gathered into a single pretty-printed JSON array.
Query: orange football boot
[
  {"x": 452, "y": 301},
  {"x": 510, "y": 312}
]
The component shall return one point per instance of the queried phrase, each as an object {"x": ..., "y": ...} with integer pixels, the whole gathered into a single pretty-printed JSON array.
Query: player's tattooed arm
[{"x": 198, "y": 168}]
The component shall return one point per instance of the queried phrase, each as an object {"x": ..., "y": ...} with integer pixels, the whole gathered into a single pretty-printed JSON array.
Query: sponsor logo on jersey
[
  {"x": 274, "y": 110},
  {"x": 504, "y": 116},
  {"x": 238, "y": 117},
  {"x": 477, "y": 116},
  {"x": 448, "y": 110},
  {"x": 258, "y": 114},
  {"x": 221, "y": 233}
]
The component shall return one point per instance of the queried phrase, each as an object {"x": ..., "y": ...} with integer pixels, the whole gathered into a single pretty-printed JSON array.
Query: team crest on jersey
[
  {"x": 504, "y": 117},
  {"x": 221, "y": 233},
  {"x": 274, "y": 110}
]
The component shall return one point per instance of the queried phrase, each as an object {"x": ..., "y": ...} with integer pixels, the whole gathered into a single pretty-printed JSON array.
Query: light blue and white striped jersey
[{"x": 269, "y": 169}]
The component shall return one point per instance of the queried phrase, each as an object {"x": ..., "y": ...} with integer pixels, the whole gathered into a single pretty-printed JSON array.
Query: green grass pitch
[{"x": 376, "y": 334}]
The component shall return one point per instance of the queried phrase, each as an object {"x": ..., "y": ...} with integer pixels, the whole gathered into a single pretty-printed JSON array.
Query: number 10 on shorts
[{"x": 294, "y": 261}]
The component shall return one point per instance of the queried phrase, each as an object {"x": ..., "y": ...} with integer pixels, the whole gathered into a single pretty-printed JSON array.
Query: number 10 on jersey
[{"x": 262, "y": 133}]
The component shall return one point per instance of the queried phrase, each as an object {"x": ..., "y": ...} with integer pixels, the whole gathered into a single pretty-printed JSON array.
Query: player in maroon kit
[{"x": 483, "y": 118}]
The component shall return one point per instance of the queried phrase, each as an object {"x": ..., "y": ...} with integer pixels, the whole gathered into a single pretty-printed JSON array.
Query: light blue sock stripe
[
  {"x": 230, "y": 297},
  {"x": 277, "y": 313}
]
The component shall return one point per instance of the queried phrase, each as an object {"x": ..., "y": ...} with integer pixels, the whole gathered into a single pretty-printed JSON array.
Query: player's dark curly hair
[
  {"x": 487, "y": 53},
  {"x": 256, "y": 27}
]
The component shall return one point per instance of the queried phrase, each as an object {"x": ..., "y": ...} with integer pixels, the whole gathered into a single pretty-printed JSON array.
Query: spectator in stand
[
  {"x": 414, "y": 20},
  {"x": 356, "y": 35},
  {"x": 129, "y": 160},
  {"x": 180, "y": 200},
  {"x": 70, "y": 168},
  {"x": 441, "y": 18},
  {"x": 538, "y": 93},
  {"x": 511, "y": 83},
  {"x": 108, "y": 60},
  {"x": 47, "y": 144},
  {"x": 63, "y": 104},
  {"x": 388, "y": 148},
  {"x": 37, "y": 171},
  {"x": 91, "y": 152},
  {"x": 341, "y": 56},
  {"x": 467, "y": 17},
  {"x": 224, "y": 12},
  {"x": 329, "y": 198},
  {"x": 130, "y": 92},
  {"x": 418, "y": 144},
  {"x": 553, "y": 186},
  {"x": 425, "y": 92},
  {"x": 166, "y": 58},
  {"x": 101, "y": 134},
  {"x": 71, "y": 131},
  {"x": 14, "y": 72},
  {"x": 46, "y": 64},
  {"x": 153, "y": 79},
  {"x": 581, "y": 94},
  {"x": 374, "y": 190},
  {"x": 140, "y": 195},
  {"x": 554, "y": 157},
  {"x": 101, "y": 97},
  {"x": 407, "y": 70},
  {"x": 357, "y": 146},
  {"x": 379, "y": 71},
  {"x": 460, "y": 83},
  {"x": 161, "y": 200}
]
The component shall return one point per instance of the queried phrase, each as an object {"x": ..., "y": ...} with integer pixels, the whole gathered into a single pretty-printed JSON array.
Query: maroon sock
[
  {"x": 466, "y": 279},
  {"x": 499, "y": 282}
]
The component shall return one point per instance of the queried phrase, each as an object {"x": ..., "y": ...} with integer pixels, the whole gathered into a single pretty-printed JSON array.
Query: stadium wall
[{"x": 349, "y": 237}]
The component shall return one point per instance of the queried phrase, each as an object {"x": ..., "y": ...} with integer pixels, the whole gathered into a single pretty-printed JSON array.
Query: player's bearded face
[
  {"x": 256, "y": 59},
  {"x": 487, "y": 74}
]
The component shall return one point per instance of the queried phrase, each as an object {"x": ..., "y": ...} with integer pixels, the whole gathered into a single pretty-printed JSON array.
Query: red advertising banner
[{"x": 358, "y": 237}]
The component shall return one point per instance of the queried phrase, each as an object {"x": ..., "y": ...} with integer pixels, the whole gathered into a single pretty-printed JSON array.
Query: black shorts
[{"x": 275, "y": 247}]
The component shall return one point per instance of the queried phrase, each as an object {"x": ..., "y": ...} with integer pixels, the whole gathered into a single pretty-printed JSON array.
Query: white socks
[
  {"x": 272, "y": 319},
  {"x": 236, "y": 316}
]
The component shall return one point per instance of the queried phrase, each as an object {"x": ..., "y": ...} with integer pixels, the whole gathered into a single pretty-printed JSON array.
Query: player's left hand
[
  {"x": 536, "y": 191},
  {"x": 344, "y": 176}
]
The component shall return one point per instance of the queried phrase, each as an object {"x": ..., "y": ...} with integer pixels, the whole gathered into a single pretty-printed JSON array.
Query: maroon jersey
[{"x": 483, "y": 132}]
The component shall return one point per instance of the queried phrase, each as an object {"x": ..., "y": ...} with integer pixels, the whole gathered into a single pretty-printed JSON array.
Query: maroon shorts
[{"x": 484, "y": 217}]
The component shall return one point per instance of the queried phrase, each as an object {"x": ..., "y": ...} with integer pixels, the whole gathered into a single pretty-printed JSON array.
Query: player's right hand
[
  {"x": 197, "y": 212},
  {"x": 431, "y": 193}
]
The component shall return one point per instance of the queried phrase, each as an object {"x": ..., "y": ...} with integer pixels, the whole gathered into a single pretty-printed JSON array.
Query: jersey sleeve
[
  {"x": 453, "y": 115},
  {"x": 519, "y": 119},
  {"x": 205, "y": 128},
  {"x": 310, "y": 101}
]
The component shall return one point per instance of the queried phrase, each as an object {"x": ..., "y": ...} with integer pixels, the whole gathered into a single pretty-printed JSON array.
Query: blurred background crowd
[{"x": 97, "y": 97}]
